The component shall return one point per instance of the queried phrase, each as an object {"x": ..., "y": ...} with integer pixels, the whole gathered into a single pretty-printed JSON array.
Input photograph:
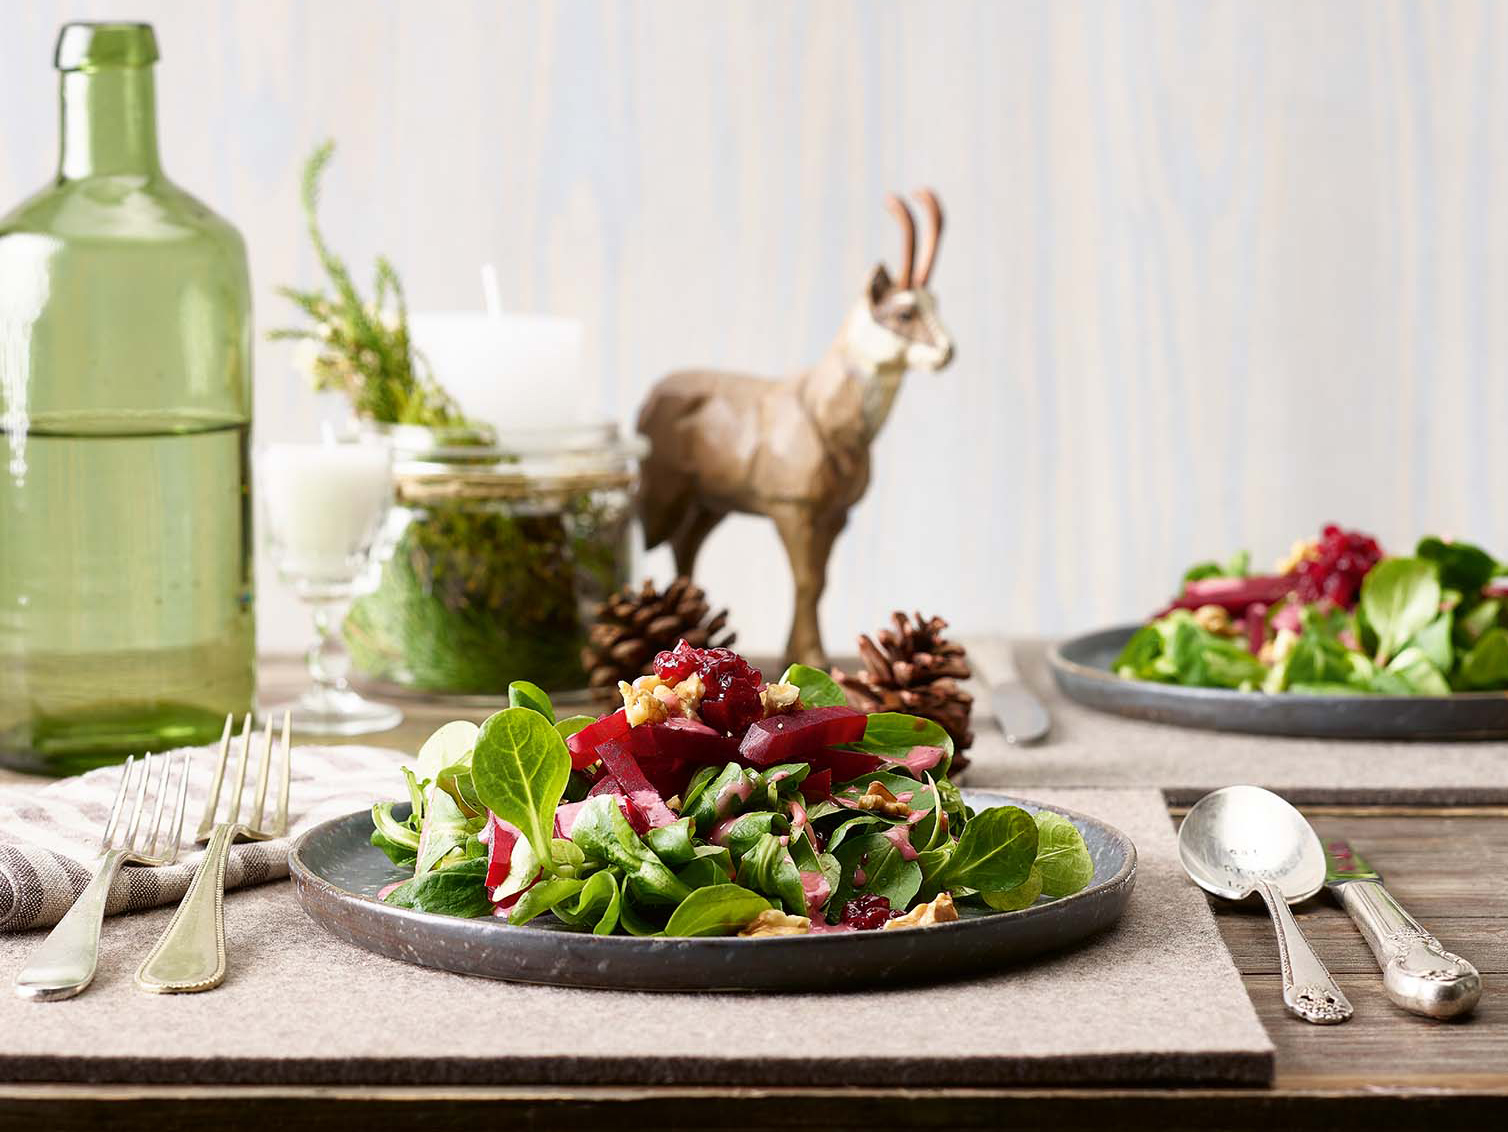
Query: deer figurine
[{"x": 796, "y": 450}]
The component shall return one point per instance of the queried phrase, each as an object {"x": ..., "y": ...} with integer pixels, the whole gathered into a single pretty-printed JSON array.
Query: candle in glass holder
[{"x": 323, "y": 505}]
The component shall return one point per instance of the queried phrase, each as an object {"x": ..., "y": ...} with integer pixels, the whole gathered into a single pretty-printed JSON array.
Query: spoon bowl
[{"x": 1237, "y": 836}]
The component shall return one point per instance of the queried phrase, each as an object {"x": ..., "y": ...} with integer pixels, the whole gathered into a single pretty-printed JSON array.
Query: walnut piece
[
  {"x": 780, "y": 698},
  {"x": 939, "y": 911},
  {"x": 772, "y": 922},
  {"x": 880, "y": 800},
  {"x": 1214, "y": 618},
  {"x": 641, "y": 702},
  {"x": 690, "y": 692},
  {"x": 1301, "y": 549}
]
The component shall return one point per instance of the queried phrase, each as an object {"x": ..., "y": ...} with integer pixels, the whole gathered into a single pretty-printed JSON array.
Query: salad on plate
[
  {"x": 1337, "y": 616},
  {"x": 712, "y": 803}
]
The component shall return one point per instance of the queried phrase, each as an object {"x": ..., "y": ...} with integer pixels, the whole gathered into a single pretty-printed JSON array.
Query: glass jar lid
[{"x": 482, "y": 463}]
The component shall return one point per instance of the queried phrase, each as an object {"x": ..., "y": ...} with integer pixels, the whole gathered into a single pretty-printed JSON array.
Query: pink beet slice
[
  {"x": 583, "y": 745},
  {"x": 501, "y": 837},
  {"x": 620, "y": 761},
  {"x": 791, "y": 738},
  {"x": 690, "y": 741},
  {"x": 817, "y": 786},
  {"x": 1233, "y": 594},
  {"x": 847, "y": 764}
]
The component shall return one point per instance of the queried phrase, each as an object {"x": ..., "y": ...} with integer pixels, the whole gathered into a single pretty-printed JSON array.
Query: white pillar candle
[
  {"x": 512, "y": 371},
  {"x": 324, "y": 504}
]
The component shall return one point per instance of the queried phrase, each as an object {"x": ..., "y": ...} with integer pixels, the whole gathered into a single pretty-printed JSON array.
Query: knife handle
[{"x": 1417, "y": 972}]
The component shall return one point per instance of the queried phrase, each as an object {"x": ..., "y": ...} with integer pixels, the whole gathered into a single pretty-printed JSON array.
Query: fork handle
[
  {"x": 64, "y": 963},
  {"x": 190, "y": 955}
]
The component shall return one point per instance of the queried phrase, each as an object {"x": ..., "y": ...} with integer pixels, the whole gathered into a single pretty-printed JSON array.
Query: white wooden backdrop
[{"x": 1218, "y": 271}]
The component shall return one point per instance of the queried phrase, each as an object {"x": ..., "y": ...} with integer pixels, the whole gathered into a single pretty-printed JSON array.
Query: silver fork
[
  {"x": 190, "y": 956},
  {"x": 64, "y": 964}
]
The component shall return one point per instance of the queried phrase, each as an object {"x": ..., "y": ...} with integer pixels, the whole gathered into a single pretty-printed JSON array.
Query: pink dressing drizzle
[
  {"x": 900, "y": 837},
  {"x": 814, "y": 885},
  {"x": 740, "y": 788}
]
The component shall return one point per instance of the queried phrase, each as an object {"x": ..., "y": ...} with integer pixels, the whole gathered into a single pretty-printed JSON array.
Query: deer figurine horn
[
  {"x": 933, "y": 235},
  {"x": 899, "y": 210}
]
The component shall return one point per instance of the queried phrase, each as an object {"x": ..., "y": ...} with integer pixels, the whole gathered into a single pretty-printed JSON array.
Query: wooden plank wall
[{"x": 1218, "y": 271}]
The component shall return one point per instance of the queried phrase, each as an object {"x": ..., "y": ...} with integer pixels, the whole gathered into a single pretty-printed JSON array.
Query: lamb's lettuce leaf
[
  {"x": 818, "y": 689},
  {"x": 520, "y": 767},
  {"x": 722, "y": 909},
  {"x": 456, "y": 891}
]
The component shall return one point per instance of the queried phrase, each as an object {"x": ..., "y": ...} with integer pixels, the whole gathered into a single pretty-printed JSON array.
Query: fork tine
[
  {"x": 264, "y": 772},
  {"x": 180, "y": 809},
  {"x": 212, "y": 803},
  {"x": 280, "y": 827},
  {"x": 241, "y": 760},
  {"x": 136, "y": 803},
  {"x": 150, "y": 847},
  {"x": 120, "y": 800}
]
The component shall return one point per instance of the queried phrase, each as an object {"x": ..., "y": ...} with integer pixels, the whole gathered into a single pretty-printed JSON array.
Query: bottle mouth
[{"x": 100, "y": 46}]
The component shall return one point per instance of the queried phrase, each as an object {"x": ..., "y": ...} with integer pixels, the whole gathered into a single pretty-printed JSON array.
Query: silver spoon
[{"x": 1243, "y": 839}]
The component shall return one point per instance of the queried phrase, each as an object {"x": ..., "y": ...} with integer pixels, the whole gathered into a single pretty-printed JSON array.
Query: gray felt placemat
[
  {"x": 1156, "y": 999},
  {"x": 1094, "y": 748}
]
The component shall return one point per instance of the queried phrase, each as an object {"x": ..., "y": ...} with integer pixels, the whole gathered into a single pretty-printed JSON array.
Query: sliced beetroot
[
  {"x": 500, "y": 837},
  {"x": 583, "y": 745},
  {"x": 625, "y": 768},
  {"x": 844, "y": 765},
  {"x": 1233, "y": 594},
  {"x": 668, "y": 776},
  {"x": 607, "y": 784},
  {"x": 817, "y": 785},
  {"x": 1256, "y": 627},
  {"x": 792, "y": 738},
  {"x": 690, "y": 741}
]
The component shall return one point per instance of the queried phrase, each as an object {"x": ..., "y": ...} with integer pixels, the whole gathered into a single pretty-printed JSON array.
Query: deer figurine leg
[
  {"x": 807, "y": 543},
  {"x": 691, "y": 533}
]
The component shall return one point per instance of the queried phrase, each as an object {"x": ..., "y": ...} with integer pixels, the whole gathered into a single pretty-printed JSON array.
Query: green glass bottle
[{"x": 126, "y": 611}]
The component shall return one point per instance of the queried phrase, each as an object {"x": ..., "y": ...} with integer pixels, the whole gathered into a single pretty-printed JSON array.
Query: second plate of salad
[{"x": 1340, "y": 640}]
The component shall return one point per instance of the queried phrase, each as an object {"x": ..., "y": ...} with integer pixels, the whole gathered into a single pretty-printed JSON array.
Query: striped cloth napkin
[{"x": 49, "y": 833}]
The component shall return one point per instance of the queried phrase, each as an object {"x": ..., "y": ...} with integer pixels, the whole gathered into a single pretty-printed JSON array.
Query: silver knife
[
  {"x": 1020, "y": 714},
  {"x": 1417, "y": 972}
]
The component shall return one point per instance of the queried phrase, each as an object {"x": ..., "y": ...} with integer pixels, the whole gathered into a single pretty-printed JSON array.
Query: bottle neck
[{"x": 109, "y": 123}]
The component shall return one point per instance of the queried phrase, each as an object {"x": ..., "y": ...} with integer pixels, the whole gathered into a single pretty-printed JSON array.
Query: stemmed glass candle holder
[{"x": 323, "y": 508}]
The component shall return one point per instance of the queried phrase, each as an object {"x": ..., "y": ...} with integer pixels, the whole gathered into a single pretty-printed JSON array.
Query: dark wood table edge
[{"x": 164, "y": 1108}]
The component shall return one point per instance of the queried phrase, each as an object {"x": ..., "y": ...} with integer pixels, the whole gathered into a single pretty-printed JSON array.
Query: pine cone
[
  {"x": 913, "y": 669},
  {"x": 633, "y": 625}
]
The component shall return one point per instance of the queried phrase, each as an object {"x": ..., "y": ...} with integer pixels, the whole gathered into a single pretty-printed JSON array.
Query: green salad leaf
[
  {"x": 520, "y": 767},
  {"x": 1062, "y": 857},
  {"x": 818, "y": 689},
  {"x": 721, "y": 909},
  {"x": 1400, "y": 596},
  {"x": 767, "y": 868},
  {"x": 873, "y": 864},
  {"x": 1024, "y": 895},
  {"x": 521, "y": 693},
  {"x": 893, "y": 734},
  {"x": 995, "y": 851},
  {"x": 456, "y": 891},
  {"x": 1461, "y": 566},
  {"x": 603, "y": 833},
  {"x": 1485, "y": 666}
]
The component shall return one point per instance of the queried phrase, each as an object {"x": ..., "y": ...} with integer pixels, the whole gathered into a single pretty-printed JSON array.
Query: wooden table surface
[{"x": 1382, "y": 1069}]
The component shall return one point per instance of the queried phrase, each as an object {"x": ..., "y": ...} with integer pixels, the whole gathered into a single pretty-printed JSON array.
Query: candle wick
[{"x": 491, "y": 292}]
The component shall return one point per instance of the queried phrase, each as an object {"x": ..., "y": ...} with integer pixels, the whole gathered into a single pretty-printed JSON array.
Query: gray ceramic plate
[
  {"x": 1082, "y": 669},
  {"x": 337, "y": 874}
]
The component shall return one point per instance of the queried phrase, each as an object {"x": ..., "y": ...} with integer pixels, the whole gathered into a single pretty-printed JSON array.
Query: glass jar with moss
[{"x": 501, "y": 546}]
